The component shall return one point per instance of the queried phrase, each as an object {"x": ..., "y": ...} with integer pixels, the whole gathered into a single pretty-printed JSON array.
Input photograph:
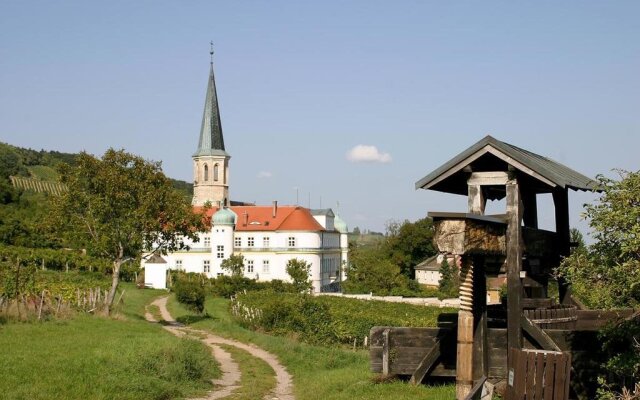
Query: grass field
[
  {"x": 334, "y": 373},
  {"x": 100, "y": 358}
]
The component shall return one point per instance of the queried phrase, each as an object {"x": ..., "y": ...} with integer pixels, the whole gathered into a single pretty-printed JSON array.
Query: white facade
[{"x": 266, "y": 253}]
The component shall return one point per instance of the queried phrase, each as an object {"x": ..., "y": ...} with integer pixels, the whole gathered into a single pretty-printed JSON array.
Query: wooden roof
[{"x": 540, "y": 174}]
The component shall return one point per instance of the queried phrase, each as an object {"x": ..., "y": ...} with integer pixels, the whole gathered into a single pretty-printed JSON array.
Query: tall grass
[{"x": 90, "y": 357}]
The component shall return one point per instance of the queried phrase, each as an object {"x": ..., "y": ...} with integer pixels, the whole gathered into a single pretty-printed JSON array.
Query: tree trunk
[{"x": 115, "y": 279}]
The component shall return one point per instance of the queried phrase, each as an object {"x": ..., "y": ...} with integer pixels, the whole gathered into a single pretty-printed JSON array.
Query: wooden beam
[
  {"x": 464, "y": 359},
  {"x": 427, "y": 362},
  {"x": 538, "y": 335},
  {"x": 495, "y": 178},
  {"x": 476, "y": 200},
  {"x": 514, "y": 266},
  {"x": 476, "y": 390},
  {"x": 385, "y": 352}
]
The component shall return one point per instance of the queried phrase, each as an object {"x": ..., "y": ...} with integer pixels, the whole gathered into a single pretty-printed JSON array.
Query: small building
[
  {"x": 428, "y": 271},
  {"x": 155, "y": 272}
]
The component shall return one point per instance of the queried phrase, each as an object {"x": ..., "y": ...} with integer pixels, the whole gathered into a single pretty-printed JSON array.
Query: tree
[
  {"x": 370, "y": 271},
  {"x": 449, "y": 281},
  {"x": 234, "y": 265},
  {"x": 409, "y": 243},
  {"x": 120, "y": 207},
  {"x": 300, "y": 271},
  {"x": 606, "y": 274}
]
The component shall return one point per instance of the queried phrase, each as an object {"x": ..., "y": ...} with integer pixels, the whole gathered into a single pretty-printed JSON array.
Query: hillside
[
  {"x": 36, "y": 170},
  {"x": 27, "y": 178}
]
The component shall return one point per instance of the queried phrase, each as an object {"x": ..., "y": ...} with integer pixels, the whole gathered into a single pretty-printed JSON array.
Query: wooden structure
[{"x": 509, "y": 243}]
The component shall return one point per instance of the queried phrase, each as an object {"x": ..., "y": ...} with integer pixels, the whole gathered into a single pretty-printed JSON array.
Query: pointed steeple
[{"x": 211, "y": 140}]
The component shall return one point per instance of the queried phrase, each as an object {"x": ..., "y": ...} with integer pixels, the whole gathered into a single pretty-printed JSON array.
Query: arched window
[
  {"x": 206, "y": 172},
  {"x": 215, "y": 172}
]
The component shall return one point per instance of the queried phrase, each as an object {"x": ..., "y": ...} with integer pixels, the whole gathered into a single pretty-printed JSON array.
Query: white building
[{"x": 267, "y": 236}]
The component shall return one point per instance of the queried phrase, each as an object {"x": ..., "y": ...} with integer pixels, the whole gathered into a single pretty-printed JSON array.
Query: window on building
[
  {"x": 220, "y": 251},
  {"x": 250, "y": 266},
  {"x": 265, "y": 266},
  {"x": 206, "y": 266},
  {"x": 206, "y": 172},
  {"x": 207, "y": 241},
  {"x": 237, "y": 241},
  {"x": 179, "y": 265},
  {"x": 215, "y": 172},
  {"x": 250, "y": 241},
  {"x": 265, "y": 241},
  {"x": 291, "y": 241}
]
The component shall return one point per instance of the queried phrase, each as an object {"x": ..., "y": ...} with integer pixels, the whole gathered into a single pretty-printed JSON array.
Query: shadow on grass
[{"x": 192, "y": 319}]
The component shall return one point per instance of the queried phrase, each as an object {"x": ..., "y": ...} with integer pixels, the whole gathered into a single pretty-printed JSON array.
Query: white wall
[{"x": 155, "y": 275}]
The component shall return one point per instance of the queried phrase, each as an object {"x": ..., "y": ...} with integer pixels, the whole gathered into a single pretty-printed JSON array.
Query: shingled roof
[
  {"x": 211, "y": 141},
  {"x": 490, "y": 154}
]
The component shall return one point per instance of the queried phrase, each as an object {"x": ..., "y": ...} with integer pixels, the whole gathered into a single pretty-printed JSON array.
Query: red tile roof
[{"x": 260, "y": 218}]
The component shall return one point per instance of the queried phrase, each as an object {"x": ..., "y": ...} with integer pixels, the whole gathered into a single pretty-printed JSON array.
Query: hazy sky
[{"x": 308, "y": 90}]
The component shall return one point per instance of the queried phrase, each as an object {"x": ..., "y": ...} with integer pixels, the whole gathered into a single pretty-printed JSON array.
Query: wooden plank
[
  {"x": 492, "y": 178},
  {"x": 549, "y": 374},
  {"x": 561, "y": 203},
  {"x": 427, "y": 362},
  {"x": 538, "y": 334},
  {"x": 539, "y": 376},
  {"x": 567, "y": 387},
  {"x": 385, "y": 353},
  {"x": 530, "y": 374},
  {"x": 476, "y": 390},
  {"x": 561, "y": 370},
  {"x": 514, "y": 266},
  {"x": 520, "y": 373}
]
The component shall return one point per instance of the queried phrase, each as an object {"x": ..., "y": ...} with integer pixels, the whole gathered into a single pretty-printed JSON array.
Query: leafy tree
[
  {"x": 119, "y": 207},
  {"x": 300, "y": 271},
  {"x": 234, "y": 265},
  {"x": 356, "y": 231},
  {"x": 371, "y": 271},
  {"x": 606, "y": 275},
  {"x": 577, "y": 240},
  {"x": 409, "y": 243}
]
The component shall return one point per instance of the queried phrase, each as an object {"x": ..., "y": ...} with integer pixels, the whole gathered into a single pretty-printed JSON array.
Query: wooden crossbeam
[
  {"x": 538, "y": 334},
  {"x": 427, "y": 362}
]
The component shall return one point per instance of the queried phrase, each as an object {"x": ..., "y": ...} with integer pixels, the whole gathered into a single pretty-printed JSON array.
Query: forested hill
[
  {"x": 29, "y": 164},
  {"x": 23, "y": 197}
]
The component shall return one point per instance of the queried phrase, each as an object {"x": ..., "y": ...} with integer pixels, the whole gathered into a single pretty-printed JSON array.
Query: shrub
[
  {"x": 190, "y": 293},
  {"x": 326, "y": 320},
  {"x": 189, "y": 360}
]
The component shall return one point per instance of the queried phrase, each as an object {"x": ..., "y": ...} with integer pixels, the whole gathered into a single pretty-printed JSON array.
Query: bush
[
  {"x": 190, "y": 293},
  {"x": 190, "y": 360},
  {"x": 326, "y": 320}
]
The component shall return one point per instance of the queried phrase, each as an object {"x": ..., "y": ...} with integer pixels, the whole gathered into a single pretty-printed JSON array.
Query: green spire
[{"x": 211, "y": 142}]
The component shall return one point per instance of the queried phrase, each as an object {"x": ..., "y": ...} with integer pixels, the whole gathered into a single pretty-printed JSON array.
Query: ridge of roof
[
  {"x": 261, "y": 218},
  {"x": 547, "y": 168}
]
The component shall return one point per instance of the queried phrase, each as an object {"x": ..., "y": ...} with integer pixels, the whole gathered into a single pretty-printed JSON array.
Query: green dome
[
  {"x": 340, "y": 225},
  {"x": 224, "y": 216}
]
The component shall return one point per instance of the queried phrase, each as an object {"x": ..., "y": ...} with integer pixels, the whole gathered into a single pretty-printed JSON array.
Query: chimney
[
  {"x": 246, "y": 218},
  {"x": 275, "y": 208}
]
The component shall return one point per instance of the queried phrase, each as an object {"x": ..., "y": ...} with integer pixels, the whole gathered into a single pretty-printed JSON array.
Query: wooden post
[
  {"x": 561, "y": 203},
  {"x": 514, "y": 266},
  {"x": 476, "y": 200},
  {"x": 385, "y": 352},
  {"x": 464, "y": 359}
]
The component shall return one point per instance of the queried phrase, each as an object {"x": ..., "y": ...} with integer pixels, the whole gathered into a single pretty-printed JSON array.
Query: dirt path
[{"x": 230, "y": 371}]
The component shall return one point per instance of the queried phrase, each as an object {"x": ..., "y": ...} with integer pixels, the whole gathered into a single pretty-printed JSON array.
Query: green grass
[
  {"x": 43, "y": 172},
  {"x": 90, "y": 357},
  {"x": 328, "y": 373},
  {"x": 257, "y": 376}
]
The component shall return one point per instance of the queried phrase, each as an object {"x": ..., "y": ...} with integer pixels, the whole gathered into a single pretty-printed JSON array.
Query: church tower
[{"x": 211, "y": 161}]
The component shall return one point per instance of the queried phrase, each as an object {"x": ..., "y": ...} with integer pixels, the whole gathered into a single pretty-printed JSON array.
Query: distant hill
[{"x": 34, "y": 170}]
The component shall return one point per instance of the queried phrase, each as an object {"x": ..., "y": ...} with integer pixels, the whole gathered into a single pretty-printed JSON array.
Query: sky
[{"x": 329, "y": 104}]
